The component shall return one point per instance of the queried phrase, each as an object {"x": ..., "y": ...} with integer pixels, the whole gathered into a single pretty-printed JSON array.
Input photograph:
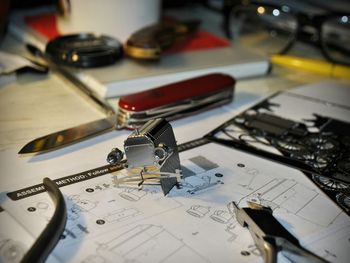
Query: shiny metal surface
[
  {"x": 152, "y": 155},
  {"x": 133, "y": 120},
  {"x": 69, "y": 136}
]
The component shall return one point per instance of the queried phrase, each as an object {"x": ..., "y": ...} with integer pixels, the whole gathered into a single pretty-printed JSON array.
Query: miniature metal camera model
[{"x": 151, "y": 156}]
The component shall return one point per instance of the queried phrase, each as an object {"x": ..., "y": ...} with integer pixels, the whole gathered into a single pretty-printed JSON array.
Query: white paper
[{"x": 192, "y": 224}]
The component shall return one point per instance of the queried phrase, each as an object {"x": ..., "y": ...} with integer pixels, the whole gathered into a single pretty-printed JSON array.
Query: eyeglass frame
[{"x": 316, "y": 21}]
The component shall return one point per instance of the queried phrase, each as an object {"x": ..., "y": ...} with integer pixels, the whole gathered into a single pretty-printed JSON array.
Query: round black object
[{"x": 84, "y": 50}]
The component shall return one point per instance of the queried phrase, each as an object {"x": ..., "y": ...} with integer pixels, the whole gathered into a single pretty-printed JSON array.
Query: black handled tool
[{"x": 270, "y": 236}]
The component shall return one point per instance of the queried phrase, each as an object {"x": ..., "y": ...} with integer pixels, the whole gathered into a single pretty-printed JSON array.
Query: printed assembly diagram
[{"x": 111, "y": 223}]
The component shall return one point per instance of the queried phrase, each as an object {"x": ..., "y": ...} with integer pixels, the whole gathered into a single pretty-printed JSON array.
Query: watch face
[{"x": 84, "y": 50}]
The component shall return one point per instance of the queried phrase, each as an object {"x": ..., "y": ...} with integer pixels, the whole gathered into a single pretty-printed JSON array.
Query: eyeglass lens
[
  {"x": 271, "y": 30},
  {"x": 336, "y": 38},
  {"x": 268, "y": 29}
]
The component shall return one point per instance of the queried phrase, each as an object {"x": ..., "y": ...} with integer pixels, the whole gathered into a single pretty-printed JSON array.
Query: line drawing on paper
[
  {"x": 196, "y": 184},
  {"x": 144, "y": 243},
  {"x": 84, "y": 205},
  {"x": 121, "y": 214},
  {"x": 198, "y": 210},
  {"x": 221, "y": 216},
  {"x": 132, "y": 194},
  {"x": 292, "y": 197},
  {"x": 11, "y": 251}
]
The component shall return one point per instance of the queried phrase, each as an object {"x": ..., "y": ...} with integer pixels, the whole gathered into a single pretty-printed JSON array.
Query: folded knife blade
[{"x": 170, "y": 101}]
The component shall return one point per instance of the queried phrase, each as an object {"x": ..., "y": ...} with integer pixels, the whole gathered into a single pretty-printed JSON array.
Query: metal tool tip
[
  {"x": 257, "y": 206},
  {"x": 26, "y": 149}
]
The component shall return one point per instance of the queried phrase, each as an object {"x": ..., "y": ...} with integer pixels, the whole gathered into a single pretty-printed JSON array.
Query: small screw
[{"x": 115, "y": 156}]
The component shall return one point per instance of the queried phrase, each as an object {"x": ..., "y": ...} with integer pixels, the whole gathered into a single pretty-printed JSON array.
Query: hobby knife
[{"x": 170, "y": 101}]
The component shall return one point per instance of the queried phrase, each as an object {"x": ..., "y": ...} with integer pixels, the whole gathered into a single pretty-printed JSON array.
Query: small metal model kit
[{"x": 151, "y": 156}]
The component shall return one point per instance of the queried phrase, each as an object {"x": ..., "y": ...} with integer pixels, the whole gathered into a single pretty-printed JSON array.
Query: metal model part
[
  {"x": 152, "y": 156},
  {"x": 318, "y": 145},
  {"x": 270, "y": 236}
]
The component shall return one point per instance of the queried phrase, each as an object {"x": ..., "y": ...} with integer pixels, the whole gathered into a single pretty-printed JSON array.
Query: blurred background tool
[
  {"x": 275, "y": 27},
  {"x": 312, "y": 65},
  {"x": 207, "y": 51},
  {"x": 85, "y": 50},
  {"x": 148, "y": 43}
]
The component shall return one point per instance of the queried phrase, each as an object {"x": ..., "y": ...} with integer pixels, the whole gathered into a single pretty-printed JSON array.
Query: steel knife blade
[{"x": 170, "y": 101}]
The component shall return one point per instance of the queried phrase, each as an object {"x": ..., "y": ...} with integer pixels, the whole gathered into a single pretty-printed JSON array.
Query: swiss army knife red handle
[{"x": 177, "y": 99}]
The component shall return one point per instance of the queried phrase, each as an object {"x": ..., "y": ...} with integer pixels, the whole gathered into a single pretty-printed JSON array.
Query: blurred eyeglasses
[{"x": 274, "y": 29}]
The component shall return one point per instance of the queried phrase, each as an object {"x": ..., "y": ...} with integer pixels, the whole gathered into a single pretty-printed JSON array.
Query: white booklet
[{"x": 129, "y": 76}]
